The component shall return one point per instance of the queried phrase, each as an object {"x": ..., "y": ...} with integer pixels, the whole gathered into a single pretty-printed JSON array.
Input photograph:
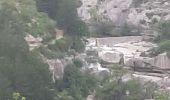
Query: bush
[
  {"x": 77, "y": 45},
  {"x": 50, "y": 54},
  {"x": 164, "y": 30},
  {"x": 129, "y": 30},
  {"x": 77, "y": 84},
  {"x": 163, "y": 46},
  {"x": 61, "y": 45},
  {"x": 78, "y": 63}
]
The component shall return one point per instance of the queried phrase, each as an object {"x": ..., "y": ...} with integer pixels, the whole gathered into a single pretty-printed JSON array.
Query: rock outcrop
[
  {"x": 144, "y": 13},
  {"x": 56, "y": 67},
  {"x": 33, "y": 42},
  {"x": 118, "y": 49},
  {"x": 113, "y": 57}
]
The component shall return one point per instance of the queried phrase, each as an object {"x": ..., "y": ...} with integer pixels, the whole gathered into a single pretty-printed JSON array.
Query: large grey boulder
[
  {"x": 113, "y": 57},
  {"x": 140, "y": 62}
]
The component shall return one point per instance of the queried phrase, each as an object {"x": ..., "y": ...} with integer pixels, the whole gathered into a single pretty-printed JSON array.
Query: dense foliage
[
  {"x": 65, "y": 13},
  {"x": 75, "y": 83},
  {"x": 21, "y": 70},
  {"x": 163, "y": 39}
]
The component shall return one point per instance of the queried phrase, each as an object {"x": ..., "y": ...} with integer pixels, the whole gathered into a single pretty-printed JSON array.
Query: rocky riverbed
[{"x": 129, "y": 51}]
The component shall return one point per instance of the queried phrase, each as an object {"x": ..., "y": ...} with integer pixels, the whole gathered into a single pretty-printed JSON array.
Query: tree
[
  {"x": 65, "y": 14},
  {"x": 77, "y": 84},
  {"x": 20, "y": 70},
  {"x": 116, "y": 89},
  {"x": 164, "y": 30}
]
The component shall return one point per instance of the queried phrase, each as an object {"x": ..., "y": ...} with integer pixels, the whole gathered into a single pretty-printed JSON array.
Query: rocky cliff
[{"x": 144, "y": 13}]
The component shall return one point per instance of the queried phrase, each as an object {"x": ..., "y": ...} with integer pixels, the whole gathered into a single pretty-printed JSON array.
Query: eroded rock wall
[{"x": 143, "y": 13}]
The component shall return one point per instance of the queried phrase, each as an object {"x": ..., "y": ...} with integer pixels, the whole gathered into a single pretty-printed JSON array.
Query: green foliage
[
  {"x": 77, "y": 84},
  {"x": 5, "y": 89},
  {"x": 17, "y": 96},
  {"x": 31, "y": 21},
  {"x": 77, "y": 45},
  {"x": 78, "y": 63},
  {"x": 60, "y": 45},
  {"x": 130, "y": 90},
  {"x": 49, "y": 53},
  {"x": 163, "y": 39},
  {"x": 20, "y": 70},
  {"x": 164, "y": 30},
  {"x": 163, "y": 46},
  {"x": 103, "y": 28},
  {"x": 162, "y": 95},
  {"x": 65, "y": 13},
  {"x": 64, "y": 95},
  {"x": 116, "y": 89},
  {"x": 129, "y": 30}
]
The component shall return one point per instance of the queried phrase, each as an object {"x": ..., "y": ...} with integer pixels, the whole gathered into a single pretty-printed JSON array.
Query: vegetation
[
  {"x": 21, "y": 70},
  {"x": 163, "y": 39},
  {"x": 64, "y": 12},
  {"x": 75, "y": 85},
  {"x": 115, "y": 88},
  {"x": 164, "y": 30},
  {"x": 25, "y": 76}
]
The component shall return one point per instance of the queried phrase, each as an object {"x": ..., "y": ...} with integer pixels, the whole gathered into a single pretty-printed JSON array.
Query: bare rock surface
[
  {"x": 137, "y": 12},
  {"x": 113, "y": 49},
  {"x": 56, "y": 67}
]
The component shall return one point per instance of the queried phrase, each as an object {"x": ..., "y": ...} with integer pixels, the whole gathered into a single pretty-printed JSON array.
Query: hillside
[{"x": 84, "y": 49}]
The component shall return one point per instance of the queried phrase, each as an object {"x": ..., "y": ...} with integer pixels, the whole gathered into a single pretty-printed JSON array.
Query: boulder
[
  {"x": 140, "y": 62},
  {"x": 113, "y": 57}
]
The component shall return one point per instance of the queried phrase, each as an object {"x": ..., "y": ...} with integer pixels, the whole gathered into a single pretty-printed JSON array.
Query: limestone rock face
[
  {"x": 137, "y": 12},
  {"x": 56, "y": 68}
]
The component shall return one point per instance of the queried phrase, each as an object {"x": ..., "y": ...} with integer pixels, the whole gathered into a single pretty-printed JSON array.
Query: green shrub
[
  {"x": 164, "y": 30},
  {"x": 78, "y": 45},
  {"x": 61, "y": 45},
  {"x": 163, "y": 46},
  {"x": 129, "y": 30},
  {"x": 78, "y": 63}
]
